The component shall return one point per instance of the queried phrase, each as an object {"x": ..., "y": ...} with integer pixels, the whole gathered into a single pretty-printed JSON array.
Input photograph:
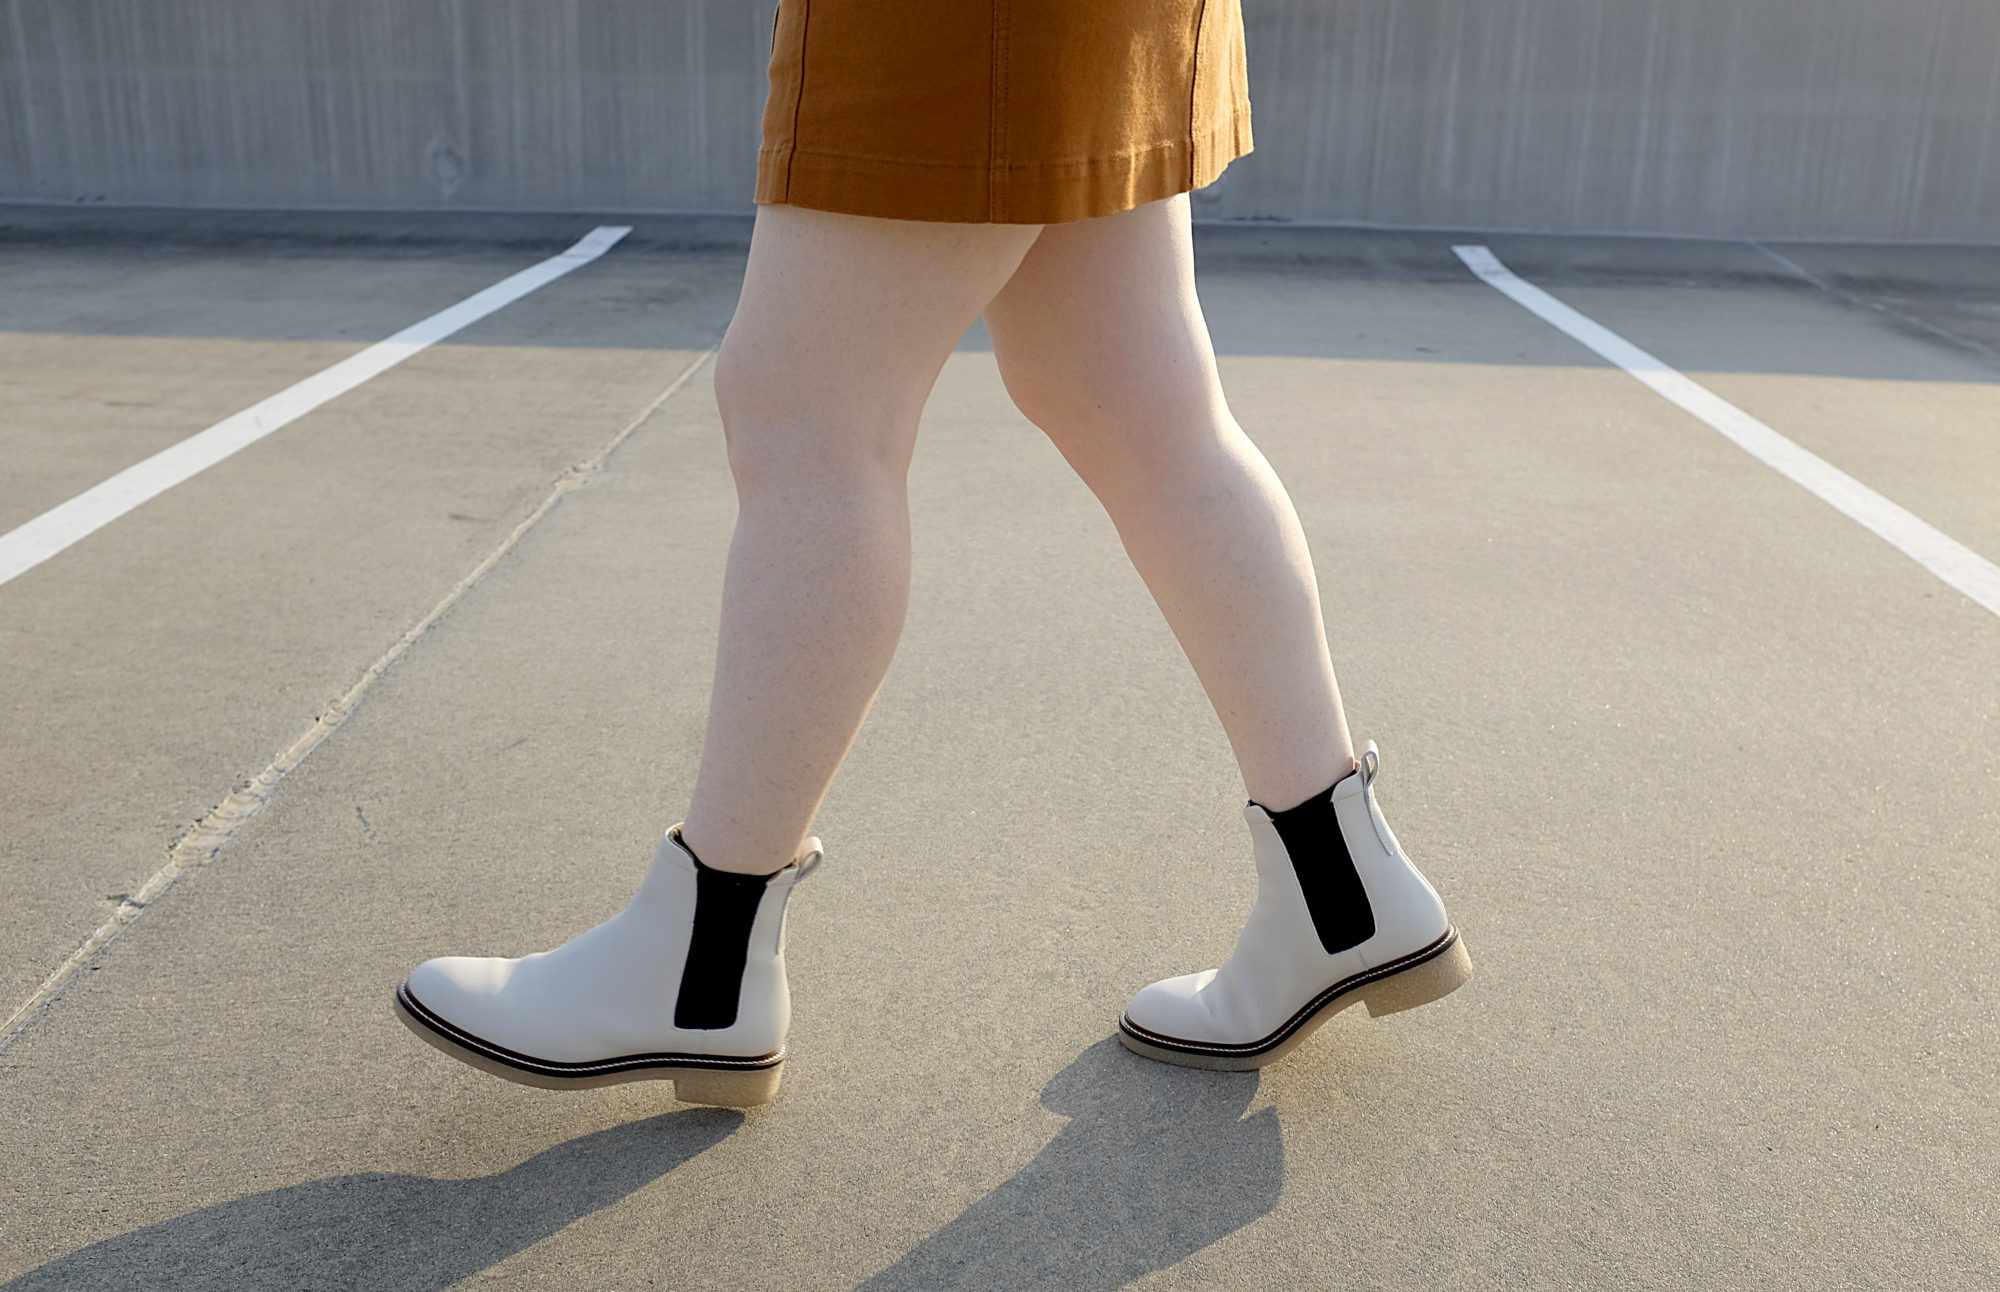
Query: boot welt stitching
[
  {"x": 545, "y": 1067},
  {"x": 1298, "y": 1020}
]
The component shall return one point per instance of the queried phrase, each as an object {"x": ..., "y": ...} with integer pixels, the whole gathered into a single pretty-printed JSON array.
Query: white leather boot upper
[
  {"x": 613, "y": 991},
  {"x": 1279, "y": 964}
]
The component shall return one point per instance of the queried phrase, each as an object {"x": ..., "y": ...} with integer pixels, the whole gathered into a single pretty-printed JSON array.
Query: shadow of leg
[
  {"x": 1157, "y": 1163},
  {"x": 388, "y": 1233}
]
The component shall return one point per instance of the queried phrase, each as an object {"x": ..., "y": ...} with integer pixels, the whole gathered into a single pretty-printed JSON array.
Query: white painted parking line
[
  {"x": 1938, "y": 552},
  {"x": 24, "y": 548}
]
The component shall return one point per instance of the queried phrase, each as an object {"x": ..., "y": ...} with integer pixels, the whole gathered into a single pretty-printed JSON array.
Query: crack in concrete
[
  {"x": 1890, "y": 311},
  {"x": 206, "y": 837}
]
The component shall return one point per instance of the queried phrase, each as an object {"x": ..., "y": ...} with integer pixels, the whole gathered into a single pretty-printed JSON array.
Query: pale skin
[{"x": 843, "y": 326}]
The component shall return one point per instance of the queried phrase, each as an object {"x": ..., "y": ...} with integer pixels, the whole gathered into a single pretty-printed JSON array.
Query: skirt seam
[
  {"x": 996, "y": 114},
  {"x": 799, "y": 98},
  {"x": 1194, "y": 90}
]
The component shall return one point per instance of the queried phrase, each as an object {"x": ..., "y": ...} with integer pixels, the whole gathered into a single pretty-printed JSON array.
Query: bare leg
[
  {"x": 841, "y": 330},
  {"x": 1102, "y": 344}
]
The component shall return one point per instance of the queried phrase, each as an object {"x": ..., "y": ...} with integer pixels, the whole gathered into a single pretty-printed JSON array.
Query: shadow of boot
[
  {"x": 388, "y": 1233},
  {"x": 1157, "y": 1163}
]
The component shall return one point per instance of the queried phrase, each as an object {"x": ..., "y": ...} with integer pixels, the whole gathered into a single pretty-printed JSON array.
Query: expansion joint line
[
  {"x": 213, "y": 830},
  {"x": 1886, "y": 310}
]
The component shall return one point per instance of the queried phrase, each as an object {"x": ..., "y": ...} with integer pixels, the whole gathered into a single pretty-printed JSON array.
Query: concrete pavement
[{"x": 1709, "y": 776}]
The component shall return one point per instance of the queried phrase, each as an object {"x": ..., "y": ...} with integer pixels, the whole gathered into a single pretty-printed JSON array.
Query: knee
[
  {"x": 1060, "y": 405},
  {"x": 751, "y": 395},
  {"x": 740, "y": 397},
  {"x": 1086, "y": 426},
  {"x": 782, "y": 439},
  {"x": 1109, "y": 429}
]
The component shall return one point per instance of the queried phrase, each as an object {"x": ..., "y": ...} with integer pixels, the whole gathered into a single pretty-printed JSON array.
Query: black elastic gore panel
[
  {"x": 1333, "y": 891},
  {"x": 724, "y": 909}
]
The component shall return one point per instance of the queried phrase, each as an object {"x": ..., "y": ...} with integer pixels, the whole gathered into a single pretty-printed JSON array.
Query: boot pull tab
[
  {"x": 1371, "y": 763},
  {"x": 810, "y": 862}
]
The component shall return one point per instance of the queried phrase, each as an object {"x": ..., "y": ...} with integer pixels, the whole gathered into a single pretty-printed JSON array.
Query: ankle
[
  {"x": 1292, "y": 799},
  {"x": 723, "y": 862}
]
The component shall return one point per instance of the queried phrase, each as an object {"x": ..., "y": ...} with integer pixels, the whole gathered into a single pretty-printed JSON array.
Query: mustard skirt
[{"x": 1000, "y": 111}]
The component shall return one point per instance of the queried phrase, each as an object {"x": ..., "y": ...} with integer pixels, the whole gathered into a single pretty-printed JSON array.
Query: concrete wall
[
  {"x": 1810, "y": 118},
  {"x": 484, "y": 103},
  {"x": 1820, "y": 118}
]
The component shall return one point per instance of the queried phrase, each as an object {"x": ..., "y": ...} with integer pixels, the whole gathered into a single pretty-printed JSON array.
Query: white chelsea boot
[
  {"x": 1348, "y": 919},
  {"x": 686, "y": 984}
]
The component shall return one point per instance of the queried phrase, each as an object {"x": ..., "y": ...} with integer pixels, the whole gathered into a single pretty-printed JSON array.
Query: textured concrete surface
[
  {"x": 1808, "y": 118},
  {"x": 1709, "y": 776},
  {"x": 239, "y": 609}
]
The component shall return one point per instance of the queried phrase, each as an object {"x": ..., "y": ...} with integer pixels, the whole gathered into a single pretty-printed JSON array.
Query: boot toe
[
  {"x": 1172, "y": 1006},
  {"x": 464, "y": 991}
]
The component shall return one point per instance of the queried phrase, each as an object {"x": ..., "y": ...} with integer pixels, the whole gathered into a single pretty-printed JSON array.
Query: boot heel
[
  {"x": 1421, "y": 984},
  {"x": 728, "y": 1089}
]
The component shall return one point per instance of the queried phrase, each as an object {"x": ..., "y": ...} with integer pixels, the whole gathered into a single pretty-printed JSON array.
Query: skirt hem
[{"x": 965, "y": 193}]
